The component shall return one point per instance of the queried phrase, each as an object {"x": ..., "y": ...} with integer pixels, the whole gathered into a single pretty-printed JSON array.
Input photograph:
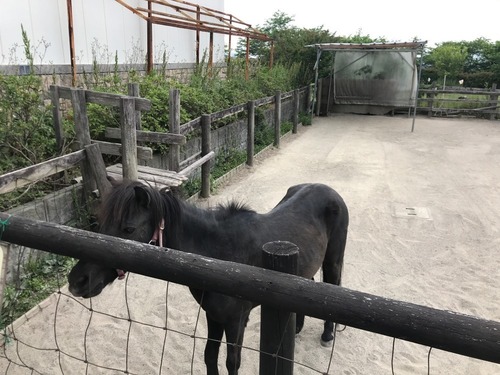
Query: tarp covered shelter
[{"x": 371, "y": 78}]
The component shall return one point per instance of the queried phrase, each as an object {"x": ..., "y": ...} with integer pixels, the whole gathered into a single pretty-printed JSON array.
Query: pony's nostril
[{"x": 82, "y": 281}]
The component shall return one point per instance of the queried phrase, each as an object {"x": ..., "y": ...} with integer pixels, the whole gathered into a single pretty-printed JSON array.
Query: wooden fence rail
[
  {"x": 434, "y": 102},
  {"x": 34, "y": 173},
  {"x": 445, "y": 330},
  {"x": 430, "y": 101}
]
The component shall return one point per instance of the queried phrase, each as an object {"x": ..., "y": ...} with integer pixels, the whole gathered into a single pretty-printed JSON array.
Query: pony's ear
[
  {"x": 142, "y": 196},
  {"x": 112, "y": 180}
]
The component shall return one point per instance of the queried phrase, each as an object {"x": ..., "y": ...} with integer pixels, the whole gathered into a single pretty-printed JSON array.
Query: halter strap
[
  {"x": 157, "y": 239},
  {"x": 158, "y": 234}
]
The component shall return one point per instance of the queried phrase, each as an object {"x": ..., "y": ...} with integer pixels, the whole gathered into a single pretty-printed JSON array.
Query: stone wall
[
  {"x": 61, "y": 74},
  {"x": 231, "y": 136},
  {"x": 62, "y": 207}
]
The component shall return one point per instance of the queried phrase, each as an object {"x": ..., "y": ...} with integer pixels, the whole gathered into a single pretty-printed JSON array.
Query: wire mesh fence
[{"x": 146, "y": 326}]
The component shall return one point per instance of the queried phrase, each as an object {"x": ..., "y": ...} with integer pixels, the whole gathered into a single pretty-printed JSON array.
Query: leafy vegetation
[
  {"x": 475, "y": 62},
  {"x": 39, "y": 279}
]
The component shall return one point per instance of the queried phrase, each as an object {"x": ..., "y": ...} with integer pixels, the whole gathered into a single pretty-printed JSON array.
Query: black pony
[{"x": 312, "y": 216}]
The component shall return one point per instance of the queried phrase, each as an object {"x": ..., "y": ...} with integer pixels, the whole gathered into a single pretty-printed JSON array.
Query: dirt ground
[
  {"x": 446, "y": 256},
  {"x": 424, "y": 228}
]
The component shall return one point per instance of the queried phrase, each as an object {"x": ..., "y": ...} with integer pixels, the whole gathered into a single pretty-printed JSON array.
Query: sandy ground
[{"x": 445, "y": 257}]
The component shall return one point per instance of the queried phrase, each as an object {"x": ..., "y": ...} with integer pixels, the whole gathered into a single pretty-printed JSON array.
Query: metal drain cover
[{"x": 410, "y": 211}]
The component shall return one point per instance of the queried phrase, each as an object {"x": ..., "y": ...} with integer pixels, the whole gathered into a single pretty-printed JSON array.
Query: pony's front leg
[
  {"x": 327, "y": 335},
  {"x": 235, "y": 330},
  {"x": 215, "y": 332}
]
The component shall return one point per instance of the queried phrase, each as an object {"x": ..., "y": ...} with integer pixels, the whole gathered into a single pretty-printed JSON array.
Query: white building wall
[{"x": 101, "y": 29}]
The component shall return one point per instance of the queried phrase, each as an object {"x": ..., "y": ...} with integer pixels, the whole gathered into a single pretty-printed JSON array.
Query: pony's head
[{"x": 131, "y": 211}]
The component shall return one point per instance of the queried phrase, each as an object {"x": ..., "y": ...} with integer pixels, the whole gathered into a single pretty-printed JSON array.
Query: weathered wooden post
[
  {"x": 308, "y": 99},
  {"x": 79, "y": 104},
  {"x": 318, "y": 96},
  {"x": 251, "y": 133},
  {"x": 175, "y": 127},
  {"x": 296, "y": 109},
  {"x": 493, "y": 101},
  {"x": 128, "y": 138},
  {"x": 206, "y": 123},
  {"x": 56, "y": 115},
  {"x": 277, "y": 327},
  {"x": 277, "y": 118},
  {"x": 134, "y": 90},
  {"x": 96, "y": 163},
  {"x": 430, "y": 100}
]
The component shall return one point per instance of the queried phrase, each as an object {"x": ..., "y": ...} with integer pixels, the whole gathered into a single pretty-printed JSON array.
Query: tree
[
  {"x": 449, "y": 59},
  {"x": 290, "y": 47}
]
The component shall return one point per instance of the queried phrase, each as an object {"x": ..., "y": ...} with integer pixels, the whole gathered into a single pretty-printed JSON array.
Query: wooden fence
[
  {"x": 451, "y": 102},
  {"x": 456, "y": 102},
  {"x": 130, "y": 151},
  {"x": 446, "y": 330},
  {"x": 130, "y": 134}
]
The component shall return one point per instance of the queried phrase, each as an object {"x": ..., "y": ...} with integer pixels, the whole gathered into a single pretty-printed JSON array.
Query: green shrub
[{"x": 40, "y": 279}]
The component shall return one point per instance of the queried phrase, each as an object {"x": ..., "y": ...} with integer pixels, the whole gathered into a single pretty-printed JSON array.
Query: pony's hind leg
[
  {"x": 332, "y": 270},
  {"x": 215, "y": 332},
  {"x": 299, "y": 320}
]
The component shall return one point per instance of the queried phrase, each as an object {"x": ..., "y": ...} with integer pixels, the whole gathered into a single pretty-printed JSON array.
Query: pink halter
[{"x": 157, "y": 239}]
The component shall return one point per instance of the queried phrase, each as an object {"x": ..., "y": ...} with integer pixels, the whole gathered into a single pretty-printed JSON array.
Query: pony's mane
[
  {"x": 122, "y": 196},
  {"x": 228, "y": 210}
]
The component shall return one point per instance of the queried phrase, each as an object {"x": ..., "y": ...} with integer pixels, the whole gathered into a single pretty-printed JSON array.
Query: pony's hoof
[{"x": 326, "y": 344}]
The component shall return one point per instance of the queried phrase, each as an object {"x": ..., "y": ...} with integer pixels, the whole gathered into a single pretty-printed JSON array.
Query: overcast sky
[{"x": 433, "y": 20}]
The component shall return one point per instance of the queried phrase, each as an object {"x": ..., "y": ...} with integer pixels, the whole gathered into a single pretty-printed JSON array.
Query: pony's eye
[{"x": 129, "y": 230}]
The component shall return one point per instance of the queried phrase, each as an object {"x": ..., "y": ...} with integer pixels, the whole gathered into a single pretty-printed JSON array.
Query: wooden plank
[
  {"x": 190, "y": 126},
  {"x": 29, "y": 175},
  {"x": 229, "y": 112},
  {"x": 148, "y": 174},
  {"x": 295, "y": 116},
  {"x": 98, "y": 168},
  {"x": 64, "y": 92},
  {"x": 80, "y": 116},
  {"x": 452, "y": 91},
  {"x": 146, "y": 136},
  {"x": 56, "y": 116},
  {"x": 133, "y": 89},
  {"x": 174, "y": 121},
  {"x": 277, "y": 119},
  {"x": 117, "y": 168},
  {"x": 206, "y": 136},
  {"x": 189, "y": 160},
  {"x": 264, "y": 101},
  {"x": 159, "y": 172},
  {"x": 198, "y": 163},
  {"x": 129, "y": 139},
  {"x": 110, "y": 148},
  {"x": 105, "y": 98},
  {"x": 250, "y": 133},
  {"x": 277, "y": 326}
]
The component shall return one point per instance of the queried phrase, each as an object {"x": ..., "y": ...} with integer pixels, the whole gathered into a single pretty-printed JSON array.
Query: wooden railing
[
  {"x": 459, "y": 101},
  {"x": 94, "y": 173}
]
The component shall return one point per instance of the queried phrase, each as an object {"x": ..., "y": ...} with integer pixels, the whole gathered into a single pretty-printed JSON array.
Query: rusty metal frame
[{"x": 186, "y": 15}]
